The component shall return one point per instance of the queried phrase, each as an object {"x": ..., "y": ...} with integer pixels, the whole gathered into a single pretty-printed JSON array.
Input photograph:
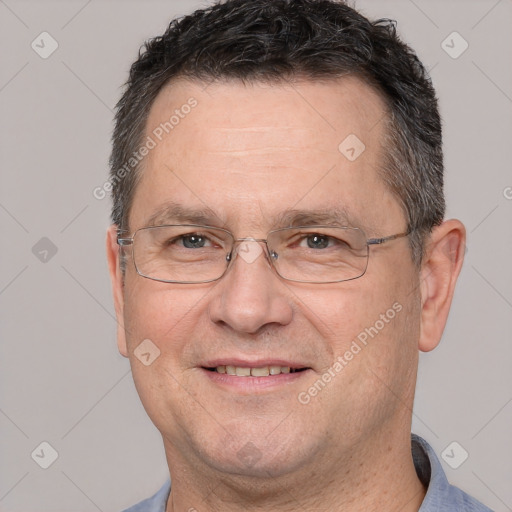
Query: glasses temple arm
[
  {"x": 123, "y": 242},
  {"x": 378, "y": 241}
]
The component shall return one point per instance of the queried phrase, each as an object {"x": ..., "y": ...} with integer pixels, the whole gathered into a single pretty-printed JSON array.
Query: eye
[
  {"x": 187, "y": 241},
  {"x": 194, "y": 241},
  {"x": 317, "y": 241}
]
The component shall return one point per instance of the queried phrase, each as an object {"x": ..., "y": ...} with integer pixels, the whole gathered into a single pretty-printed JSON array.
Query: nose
[{"x": 250, "y": 295}]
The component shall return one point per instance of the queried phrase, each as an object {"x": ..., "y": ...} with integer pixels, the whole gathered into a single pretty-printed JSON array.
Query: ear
[
  {"x": 116, "y": 278},
  {"x": 439, "y": 271}
]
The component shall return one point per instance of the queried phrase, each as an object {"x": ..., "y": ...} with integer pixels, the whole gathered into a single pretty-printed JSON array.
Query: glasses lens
[
  {"x": 183, "y": 254},
  {"x": 319, "y": 254}
]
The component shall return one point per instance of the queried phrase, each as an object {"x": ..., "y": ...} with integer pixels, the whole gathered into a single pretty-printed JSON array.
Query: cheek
[
  {"x": 166, "y": 317},
  {"x": 173, "y": 318},
  {"x": 351, "y": 311},
  {"x": 373, "y": 326},
  {"x": 151, "y": 312},
  {"x": 144, "y": 316},
  {"x": 389, "y": 345}
]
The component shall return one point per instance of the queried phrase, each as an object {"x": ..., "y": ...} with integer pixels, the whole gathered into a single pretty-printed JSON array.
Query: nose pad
[{"x": 250, "y": 249}]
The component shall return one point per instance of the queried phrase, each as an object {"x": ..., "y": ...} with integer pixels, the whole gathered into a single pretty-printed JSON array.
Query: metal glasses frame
[{"x": 271, "y": 255}]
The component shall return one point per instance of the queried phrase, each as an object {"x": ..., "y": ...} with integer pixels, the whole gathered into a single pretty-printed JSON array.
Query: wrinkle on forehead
[
  {"x": 259, "y": 139},
  {"x": 251, "y": 152}
]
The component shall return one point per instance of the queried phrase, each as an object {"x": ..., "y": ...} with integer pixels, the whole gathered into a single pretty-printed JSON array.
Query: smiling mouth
[{"x": 263, "y": 371}]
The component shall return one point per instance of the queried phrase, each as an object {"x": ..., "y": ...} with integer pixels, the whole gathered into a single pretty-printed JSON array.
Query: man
[{"x": 279, "y": 255}]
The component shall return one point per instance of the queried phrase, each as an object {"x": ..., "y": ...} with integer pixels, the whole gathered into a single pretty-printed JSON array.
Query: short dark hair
[{"x": 278, "y": 40}]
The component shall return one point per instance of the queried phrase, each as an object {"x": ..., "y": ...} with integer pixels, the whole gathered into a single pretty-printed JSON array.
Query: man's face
[{"x": 249, "y": 154}]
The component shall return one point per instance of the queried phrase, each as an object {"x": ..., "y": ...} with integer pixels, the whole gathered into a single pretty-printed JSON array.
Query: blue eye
[
  {"x": 317, "y": 241},
  {"x": 193, "y": 241}
]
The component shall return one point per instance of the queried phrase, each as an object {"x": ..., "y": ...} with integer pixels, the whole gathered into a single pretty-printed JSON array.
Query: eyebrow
[
  {"x": 294, "y": 217},
  {"x": 175, "y": 213}
]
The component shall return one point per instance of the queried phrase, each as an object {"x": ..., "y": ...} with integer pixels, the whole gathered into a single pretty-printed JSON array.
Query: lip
[
  {"x": 254, "y": 385},
  {"x": 258, "y": 363}
]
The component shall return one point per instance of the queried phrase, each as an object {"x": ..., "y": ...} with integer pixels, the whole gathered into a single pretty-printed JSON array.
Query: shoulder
[{"x": 157, "y": 502}]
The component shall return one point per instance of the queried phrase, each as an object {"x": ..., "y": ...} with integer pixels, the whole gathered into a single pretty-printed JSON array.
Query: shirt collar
[{"x": 440, "y": 496}]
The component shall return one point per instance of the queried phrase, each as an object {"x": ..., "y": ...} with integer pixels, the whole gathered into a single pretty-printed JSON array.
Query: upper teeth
[{"x": 242, "y": 371}]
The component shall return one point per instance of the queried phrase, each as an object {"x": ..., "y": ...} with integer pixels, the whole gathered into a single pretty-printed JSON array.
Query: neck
[{"x": 378, "y": 476}]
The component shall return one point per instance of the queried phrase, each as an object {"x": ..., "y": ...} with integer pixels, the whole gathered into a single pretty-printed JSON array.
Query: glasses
[{"x": 192, "y": 253}]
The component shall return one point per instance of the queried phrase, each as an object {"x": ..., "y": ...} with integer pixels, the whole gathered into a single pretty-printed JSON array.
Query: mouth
[
  {"x": 257, "y": 371},
  {"x": 251, "y": 377}
]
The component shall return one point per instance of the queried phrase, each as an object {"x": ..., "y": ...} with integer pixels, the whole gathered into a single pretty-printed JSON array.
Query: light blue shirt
[{"x": 440, "y": 497}]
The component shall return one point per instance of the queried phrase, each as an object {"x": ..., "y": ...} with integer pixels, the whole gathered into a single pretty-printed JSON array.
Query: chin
[{"x": 249, "y": 453}]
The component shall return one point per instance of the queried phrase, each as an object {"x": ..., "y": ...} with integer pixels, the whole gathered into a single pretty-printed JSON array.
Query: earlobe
[
  {"x": 116, "y": 278},
  {"x": 441, "y": 266}
]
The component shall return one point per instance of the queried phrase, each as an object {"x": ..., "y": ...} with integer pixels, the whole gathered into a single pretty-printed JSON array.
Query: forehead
[{"x": 249, "y": 151}]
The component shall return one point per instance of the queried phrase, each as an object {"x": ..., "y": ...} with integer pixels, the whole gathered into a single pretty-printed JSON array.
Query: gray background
[{"x": 62, "y": 380}]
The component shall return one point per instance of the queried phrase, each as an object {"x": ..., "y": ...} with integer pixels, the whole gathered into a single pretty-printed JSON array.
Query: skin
[{"x": 248, "y": 153}]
